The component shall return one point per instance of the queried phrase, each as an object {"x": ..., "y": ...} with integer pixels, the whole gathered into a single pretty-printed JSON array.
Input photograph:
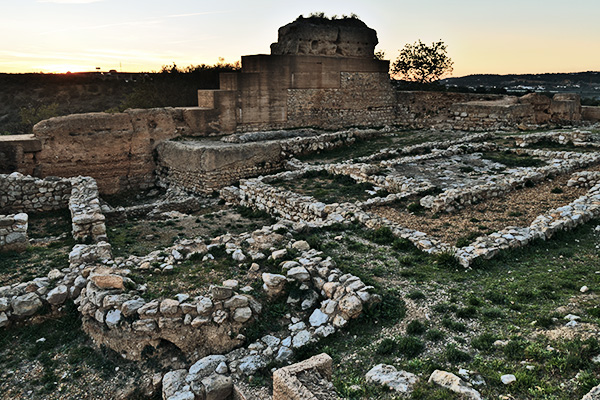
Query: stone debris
[
  {"x": 508, "y": 379},
  {"x": 452, "y": 382},
  {"x": 389, "y": 376}
]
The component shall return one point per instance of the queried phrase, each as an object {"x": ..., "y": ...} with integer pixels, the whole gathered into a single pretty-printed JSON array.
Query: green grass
[{"x": 513, "y": 160}]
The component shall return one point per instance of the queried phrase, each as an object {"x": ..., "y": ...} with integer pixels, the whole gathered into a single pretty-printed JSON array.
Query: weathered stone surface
[
  {"x": 206, "y": 366},
  {"x": 217, "y": 386},
  {"x": 58, "y": 295},
  {"x": 318, "y": 318},
  {"x": 319, "y": 36},
  {"x": 26, "y": 305},
  {"x": 389, "y": 376},
  {"x": 350, "y": 306},
  {"x": 169, "y": 307},
  {"x": 593, "y": 394},
  {"x": 454, "y": 383},
  {"x": 113, "y": 317},
  {"x": 252, "y": 363},
  {"x": 242, "y": 314},
  {"x": 108, "y": 281},
  {"x": 173, "y": 382}
]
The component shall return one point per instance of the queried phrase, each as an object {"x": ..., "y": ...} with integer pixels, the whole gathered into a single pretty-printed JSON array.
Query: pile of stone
[
  {"x": 21, "y": 301},
  {"x": 13, "y": 232},
  {"x": 86, "y": 214},
  {"x": 23, "y": 193},
  {"x": 343, "y": 298}
]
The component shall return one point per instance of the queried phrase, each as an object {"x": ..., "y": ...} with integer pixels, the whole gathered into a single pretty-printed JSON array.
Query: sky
[{"x": 483, "y": 36}]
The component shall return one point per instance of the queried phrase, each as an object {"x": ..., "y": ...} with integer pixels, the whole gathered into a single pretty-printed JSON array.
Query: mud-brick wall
[
  {"x": 20, "y": 193},
  {"x": 363, "y": 99}
]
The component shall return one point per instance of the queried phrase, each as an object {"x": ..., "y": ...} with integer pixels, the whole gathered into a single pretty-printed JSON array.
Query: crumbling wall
[
  {"x": 86, "y": 215},
  {"x": 13, "y": 232},
  {"x": 20, "y": 193},
  {"x": 289, "y": 383}
]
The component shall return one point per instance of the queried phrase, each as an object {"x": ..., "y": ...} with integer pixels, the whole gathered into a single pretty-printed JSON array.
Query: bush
[
  {"x": 454, "y": 355},
  {"x": 382, "y": 235},
  {"x": 410, "y": 346},
  {"x": 416, "y": 295},
  {"x": 387, "y": 346},
  {"x": 484, "y": 341},
  {"x": 416, "y": 327},
  {"x": 434, "y": 335}
]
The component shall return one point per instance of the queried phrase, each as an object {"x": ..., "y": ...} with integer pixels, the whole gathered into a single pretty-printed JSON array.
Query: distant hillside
[{"x": 587, "y": 84}]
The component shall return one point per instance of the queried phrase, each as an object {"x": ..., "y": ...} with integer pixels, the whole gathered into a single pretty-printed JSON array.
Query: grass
[
  {"x": 329, "y": 188},
  {"x": 513, "y": 160}
]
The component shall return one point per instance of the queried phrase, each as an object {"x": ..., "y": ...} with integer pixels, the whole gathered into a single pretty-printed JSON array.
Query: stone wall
[
  {"x": 205, "y": 166},
  {"x": 591, "y": 114},
  {"x": 19, "y": 193},
  {"x": 86, "y": 215},
  {"x": 13, "y": 232},
  {"x": 363, "y": 99}
]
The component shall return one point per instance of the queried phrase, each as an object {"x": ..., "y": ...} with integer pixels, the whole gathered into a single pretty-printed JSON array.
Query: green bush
[
  {"x": 484, "y": 342},
  {"x": 416, "y": 327},
  {"x": 410, "y": 346},
  {"x": 454, "y": 355}
]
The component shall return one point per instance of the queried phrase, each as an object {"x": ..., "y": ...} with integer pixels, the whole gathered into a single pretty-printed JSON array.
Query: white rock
[
  {"x": 389, "y": 376},
  {"x": 454, "y": 383},
  {"x": 318, "y": 318},
  {"x": 113, "y": 317},
  {"x": 584, "y": 289},
  {"x": 238, "y": 255},
  {"x": 207, "y": 365},
  {"x": 301, "y": 339},
  {"x": 508, "y": 379}
]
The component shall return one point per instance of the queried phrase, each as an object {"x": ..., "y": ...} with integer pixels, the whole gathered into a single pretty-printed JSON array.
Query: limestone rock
[
  {"x": 252, "y": 363},
  {"x": 350, "y": 306},
  {"x": 218, "y": 387},
  {"x": 454, "y": 383},
  {"x": 593, "y": 394},
  {"x": 207, "y": 365},
  {"x": 108, "y": 281},
  {"x": 58, "y": 295},
  {"x": 26, "y": 305},
  {"x": 242, "y": 314},
  {"x": 173, "y": 382},
  {"x": 389, "y": 376},
  {"x": 318, "y": 318}
]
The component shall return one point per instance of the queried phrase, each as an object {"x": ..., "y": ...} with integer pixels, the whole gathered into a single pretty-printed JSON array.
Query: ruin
[{"x": 320, "y": 89}]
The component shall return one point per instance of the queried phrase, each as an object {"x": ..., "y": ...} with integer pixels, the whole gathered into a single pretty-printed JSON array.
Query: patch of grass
[
  {"x": 513, "y": 160},
  {"x": 387, "y": 347},
  {"x": 382, "y": 235},
  {"x": 456, "y": 326},
  {"x": 467, "y": 312},
  {"x": 484, "y": 342}
]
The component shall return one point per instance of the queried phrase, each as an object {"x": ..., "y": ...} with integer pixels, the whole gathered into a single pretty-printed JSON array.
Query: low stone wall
[
  {"x": 591, "y": 114},
  {"x": 584, "y": 179},
  {"x": 205, "y": 166},
  {"x": 13, "y": 232},
  {"x": 86, "y": 215},
  {"x": 577, "y": 138},
  {"x": 20, "y": 193},
  {"x": 543, "y": 227},
  {"x": 562, "y": 162}
]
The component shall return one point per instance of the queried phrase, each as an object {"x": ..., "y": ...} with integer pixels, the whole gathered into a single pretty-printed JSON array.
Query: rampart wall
[{"x": 19, "y": 193}]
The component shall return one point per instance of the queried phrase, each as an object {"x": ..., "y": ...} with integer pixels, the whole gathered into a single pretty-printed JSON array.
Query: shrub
[
  {"x": 416, "y": 327},
  {"x": 484, "y": 342},
  {"x": 416, "y": 295},
  {"x": 454, "y": 355},
  {"x": 410, "y": 346},
  {"x": 434, "y": 335},
  {"x": 386, "y": 346}
]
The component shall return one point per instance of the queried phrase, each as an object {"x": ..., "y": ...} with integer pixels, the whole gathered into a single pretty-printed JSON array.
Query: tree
[{"x": 421, "y": 63}]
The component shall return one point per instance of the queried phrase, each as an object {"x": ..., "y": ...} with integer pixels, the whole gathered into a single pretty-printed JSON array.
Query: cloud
[{"x": 69, "y": 1}]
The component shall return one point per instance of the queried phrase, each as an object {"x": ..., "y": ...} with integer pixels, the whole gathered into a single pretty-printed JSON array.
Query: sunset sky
[{"x": 483, "y": 36}]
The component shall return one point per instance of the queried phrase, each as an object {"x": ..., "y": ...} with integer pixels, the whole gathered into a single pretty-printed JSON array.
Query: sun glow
[{"x": 64, "y": 68}]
